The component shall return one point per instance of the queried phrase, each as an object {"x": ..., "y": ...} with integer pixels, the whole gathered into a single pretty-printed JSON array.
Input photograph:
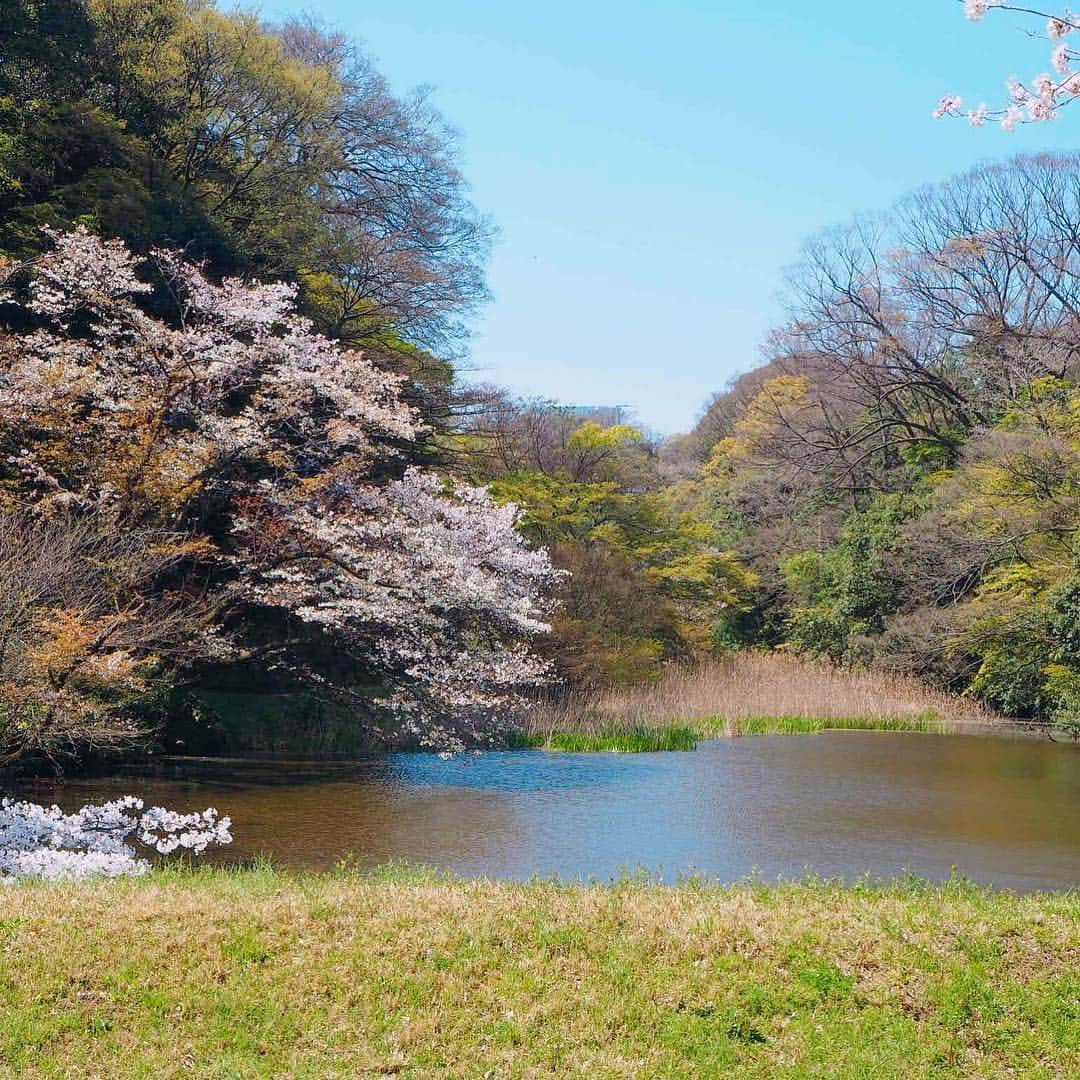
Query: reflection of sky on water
[
  {"x": 529, "y": 772},
  {"x": 839, "y": 804}
]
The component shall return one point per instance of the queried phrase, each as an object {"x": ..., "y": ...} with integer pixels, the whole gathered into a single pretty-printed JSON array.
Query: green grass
[
  {"x": 237, "y": 974},
  {"x": 806, "y": 725},
  {"x": 616, "y": 740},
  {"x": 646, "y": 739}
]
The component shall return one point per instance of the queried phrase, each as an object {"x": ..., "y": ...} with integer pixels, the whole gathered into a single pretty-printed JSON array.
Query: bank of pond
[
  {"x": 842, "y": 803},
  {"x": 260, "y": 973}
]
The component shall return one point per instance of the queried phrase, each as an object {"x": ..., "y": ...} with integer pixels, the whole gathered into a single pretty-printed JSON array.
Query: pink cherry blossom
[
  {"x": 948, "y": 105},
  {"x": 1041, "y": 101},
  {"x": 1013, "y": 115},
  {"x": 1058, "y": 27}
]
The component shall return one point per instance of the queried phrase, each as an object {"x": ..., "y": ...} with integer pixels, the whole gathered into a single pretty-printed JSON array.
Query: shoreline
[{"x": 153, "y": 764}]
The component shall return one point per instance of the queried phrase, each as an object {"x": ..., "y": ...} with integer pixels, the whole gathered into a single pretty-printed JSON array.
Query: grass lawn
[{"x": 255, "y": 973}]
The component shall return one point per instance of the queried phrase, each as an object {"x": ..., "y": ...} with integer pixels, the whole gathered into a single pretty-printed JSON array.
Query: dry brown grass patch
[{"x": 763, "y": 684}]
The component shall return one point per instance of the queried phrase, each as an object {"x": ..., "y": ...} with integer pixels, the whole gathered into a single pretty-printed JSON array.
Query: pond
[{"x": 1005, "y": 812}]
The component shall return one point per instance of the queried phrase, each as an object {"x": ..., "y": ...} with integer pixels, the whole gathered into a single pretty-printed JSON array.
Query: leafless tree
[
  {"x": 86, "y": 627},
  {"x": 537, "y": 435},
  {"x": 917, "y": 328}
]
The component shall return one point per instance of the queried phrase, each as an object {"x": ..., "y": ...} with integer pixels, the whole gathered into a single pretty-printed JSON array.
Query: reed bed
[
  {"x": 811, "y": 725},
  {"x": 615, "y": 740},
  {"x": 756, "y": 693}
]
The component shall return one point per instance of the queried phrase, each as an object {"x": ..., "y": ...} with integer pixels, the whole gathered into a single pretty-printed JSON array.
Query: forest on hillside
[
  {"x": 238, "y": 460},
  {"x": 902, "y": 473}
]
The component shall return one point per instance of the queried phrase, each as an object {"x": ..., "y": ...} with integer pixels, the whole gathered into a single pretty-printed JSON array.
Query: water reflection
[{"x": 844, "y": 803}]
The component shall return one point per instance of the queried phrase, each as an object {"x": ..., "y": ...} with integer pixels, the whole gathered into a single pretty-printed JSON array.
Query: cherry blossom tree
[
  {"x": 143, "y": 391},
  {"x": 1045, "y": 95}
]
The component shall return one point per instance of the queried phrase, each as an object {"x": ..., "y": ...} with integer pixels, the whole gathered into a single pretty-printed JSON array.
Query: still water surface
[{"x": 1001, "y": 811}]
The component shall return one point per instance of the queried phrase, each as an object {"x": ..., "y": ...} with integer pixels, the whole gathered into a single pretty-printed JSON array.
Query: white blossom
[
  {"x": 43, "y": 842},
  {"x": 432, "y": 581},
  {"x": 1013, "y": 116},
  {"x": 948, "y": 105},
  {"x": 82, "y": 271}
]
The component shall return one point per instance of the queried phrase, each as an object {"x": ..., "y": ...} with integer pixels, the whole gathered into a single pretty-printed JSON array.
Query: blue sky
[{"x": 654, "y": 167}]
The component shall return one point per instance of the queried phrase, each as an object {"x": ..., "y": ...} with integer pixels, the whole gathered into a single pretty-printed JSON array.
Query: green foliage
[
  {"x": 592, "y": 437},
  {"x": 1062, "y": 687},
  {"x": 1020, "y": 500},
  {"x": 557, "y": 509},
  {"x": 648, "y": 582},
  {"x": 971, "y": 573},
  {"x": 926, "y": 458},
  {"x": 1010, "y": 676},
  {"x": 673, "y": 549},
  {"x": 47, "y": 45},
  {"x": 614, "y": 624},
  {"x": 591, "y": 445},
  {"x": 72, "y": 163},
  {"x": 851, "y": 588},
  {"x": 273, "y": 151}
]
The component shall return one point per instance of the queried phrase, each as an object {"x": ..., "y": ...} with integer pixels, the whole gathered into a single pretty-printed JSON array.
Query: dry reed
[{"x": 718, "y": 694}]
